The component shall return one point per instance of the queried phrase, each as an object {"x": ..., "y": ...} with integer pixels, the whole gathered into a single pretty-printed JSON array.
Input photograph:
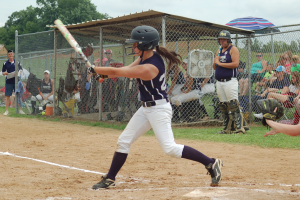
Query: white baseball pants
[
  {"x": 228, "y": 91},
  {"x": 159, "y": 119}
]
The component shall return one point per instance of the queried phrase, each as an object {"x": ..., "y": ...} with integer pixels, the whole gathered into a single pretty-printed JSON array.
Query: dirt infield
[{"x": 56, "y": 160}]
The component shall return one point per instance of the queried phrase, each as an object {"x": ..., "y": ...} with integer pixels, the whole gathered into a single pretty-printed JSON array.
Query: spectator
[
  {"x": 280, "y": 85},
  {"x": 97, "y": 62},
  {"x": 177, "y": 78},
  {"x": 287, "y": 56},
  {"x": 177, "y": 81},
  {"x": 46, "y": 90},
  {"x": 265, "y": 82},
  {"x": 280, "y": 61},
  {"x": 243, "y": 78},
  {"x": 8, "y": 69},
  {"x": 108, "y": 54},
  {"x": 296, "y": 63},
  {"x": 258, "y": 69},
  {"x": 189, "y": 92}
]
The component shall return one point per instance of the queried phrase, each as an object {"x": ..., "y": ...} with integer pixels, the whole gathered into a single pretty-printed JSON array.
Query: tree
[{"x": 35, "y": 19}]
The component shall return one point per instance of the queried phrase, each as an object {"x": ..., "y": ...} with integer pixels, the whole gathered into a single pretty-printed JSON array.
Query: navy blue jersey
[
  {"x": 10, "y": 67},
  {"x": 222, "y": 72},
  {"x": 154, "y": 89},
  {"x": 47, "y": 87}
]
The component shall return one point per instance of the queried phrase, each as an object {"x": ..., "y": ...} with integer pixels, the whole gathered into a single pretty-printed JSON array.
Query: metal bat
[{"x": 64, "y": 31}]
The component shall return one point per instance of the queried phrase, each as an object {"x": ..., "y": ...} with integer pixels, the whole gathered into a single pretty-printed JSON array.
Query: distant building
[{"x": 3, "y": 50}]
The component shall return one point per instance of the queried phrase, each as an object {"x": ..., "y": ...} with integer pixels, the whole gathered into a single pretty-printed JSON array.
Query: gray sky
[{"x": 278, "y": 12}]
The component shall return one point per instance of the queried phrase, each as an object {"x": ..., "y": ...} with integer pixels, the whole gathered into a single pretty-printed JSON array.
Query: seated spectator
[
  {"x": 265, "y": 82},
  {"x": 191, "y": 91},
  {"x": 280, "y": 85},
  {"x": 280, "y": 61},
  {"x": 243, "y": 79},
  {"x": 46, "y": 92},
  {"x": 177, "y": 81},
  {"x": 287, "y": 56},
  {"x": 258, "y": 69},
  {"x": 296, "y": 63}
]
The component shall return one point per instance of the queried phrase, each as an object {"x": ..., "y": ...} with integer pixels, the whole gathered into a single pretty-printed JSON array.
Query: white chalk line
[
  {"x": 50, "y": 163},
  {"x": 141, "y": 180},
  {"x": 68, "y": 167}
]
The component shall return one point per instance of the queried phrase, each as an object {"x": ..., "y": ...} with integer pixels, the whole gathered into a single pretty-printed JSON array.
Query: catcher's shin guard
[
  {"x": 234, "y": 107},
  {"x": 227, "y": 121}
]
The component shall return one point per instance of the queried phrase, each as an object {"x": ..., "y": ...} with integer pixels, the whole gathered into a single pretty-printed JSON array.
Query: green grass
[{"x": 253, "y": 137}]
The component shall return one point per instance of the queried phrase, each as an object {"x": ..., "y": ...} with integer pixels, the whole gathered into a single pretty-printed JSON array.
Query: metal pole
[
  {"x": 16, "y": 72},
  {"x": 249, "y": 75},
  {"x": 54, "y": 73},
  {"x": 100, "y": 84},
  {"x": 163, "y": 31},
  {"x": 176, "y": 47},
  {"x": 272, "y": 43},
  {"x": 46, "y": 59}
]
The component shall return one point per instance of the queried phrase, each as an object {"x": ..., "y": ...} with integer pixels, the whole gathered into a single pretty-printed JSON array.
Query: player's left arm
[{"x": 145, "y": 72}]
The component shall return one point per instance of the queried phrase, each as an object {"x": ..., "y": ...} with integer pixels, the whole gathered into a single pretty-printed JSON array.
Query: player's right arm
[{"x": 216, "y": 57}]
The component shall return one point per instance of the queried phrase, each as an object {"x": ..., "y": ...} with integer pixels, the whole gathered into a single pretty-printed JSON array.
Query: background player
[
  {"x": 156, "y": 111},
  {"x": 226, "y": 63}
]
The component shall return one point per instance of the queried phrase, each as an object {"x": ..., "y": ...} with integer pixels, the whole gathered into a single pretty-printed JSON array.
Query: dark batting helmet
[
  {"x": 147, "y": 37},
  {"x": 224, "y": 34}
]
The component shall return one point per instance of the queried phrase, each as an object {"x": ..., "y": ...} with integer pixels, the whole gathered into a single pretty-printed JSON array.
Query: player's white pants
[
  {"x": 159, "y": 119},
  {"x": 39, "y": 97},
  {"x": 192, "y": 95},
  {"x": 228, "y": 91}
]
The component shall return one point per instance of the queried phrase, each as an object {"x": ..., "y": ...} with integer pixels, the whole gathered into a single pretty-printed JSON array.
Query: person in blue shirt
[
  {"x": 156, "y": 111},
  {"x": 8, "y": 69}
]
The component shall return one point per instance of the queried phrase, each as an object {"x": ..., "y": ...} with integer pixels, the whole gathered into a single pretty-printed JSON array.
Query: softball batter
[{"x": 156, "y": 111}]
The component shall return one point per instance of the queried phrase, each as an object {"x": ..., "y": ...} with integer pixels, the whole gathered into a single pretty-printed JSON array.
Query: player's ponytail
[{"x": 171, "y": 57}]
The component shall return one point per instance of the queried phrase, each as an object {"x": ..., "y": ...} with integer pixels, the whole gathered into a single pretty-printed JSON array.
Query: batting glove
[{"x": 91, "y": 69}]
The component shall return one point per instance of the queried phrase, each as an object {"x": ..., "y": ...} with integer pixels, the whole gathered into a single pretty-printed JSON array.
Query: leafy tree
[{"x": 35, "y": 19}]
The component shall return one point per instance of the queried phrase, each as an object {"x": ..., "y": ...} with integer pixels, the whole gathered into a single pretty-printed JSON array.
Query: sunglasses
[{"x": 258, "y": 55}]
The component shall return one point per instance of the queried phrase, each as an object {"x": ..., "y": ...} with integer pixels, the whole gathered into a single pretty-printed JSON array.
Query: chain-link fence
[{"x": 79, "y": 95}]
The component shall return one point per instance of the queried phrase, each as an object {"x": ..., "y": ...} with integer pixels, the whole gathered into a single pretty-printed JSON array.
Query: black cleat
[
  {"x": 105, "y": 183},
  {"x": 215, "y": 171}
]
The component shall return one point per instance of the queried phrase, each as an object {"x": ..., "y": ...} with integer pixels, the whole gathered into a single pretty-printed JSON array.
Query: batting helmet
[
  {"x": 226, "y": 35},
  {"x": 147, "y": 37}
]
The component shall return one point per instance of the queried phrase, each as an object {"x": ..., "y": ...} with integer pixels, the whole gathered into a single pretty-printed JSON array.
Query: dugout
[{"x": 178, "y": 33}]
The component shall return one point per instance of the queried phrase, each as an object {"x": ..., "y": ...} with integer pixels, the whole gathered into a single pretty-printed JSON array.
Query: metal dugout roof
[{"x": 179, "y": 25}]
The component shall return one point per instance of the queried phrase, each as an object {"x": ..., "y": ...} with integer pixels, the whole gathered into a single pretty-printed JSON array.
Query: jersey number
[{"x": 163, "y": 79}]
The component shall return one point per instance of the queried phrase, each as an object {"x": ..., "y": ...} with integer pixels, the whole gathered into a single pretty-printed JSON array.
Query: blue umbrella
[{"x": 259, "y": 25}]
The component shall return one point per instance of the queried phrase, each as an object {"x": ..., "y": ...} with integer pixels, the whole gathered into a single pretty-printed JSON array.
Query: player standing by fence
[
  {"x": 226, "y": 65},
  {"x": 156, "y": 111}
]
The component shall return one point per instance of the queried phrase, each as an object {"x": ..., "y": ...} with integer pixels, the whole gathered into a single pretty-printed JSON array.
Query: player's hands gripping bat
[{"x": 61, "y": 27}]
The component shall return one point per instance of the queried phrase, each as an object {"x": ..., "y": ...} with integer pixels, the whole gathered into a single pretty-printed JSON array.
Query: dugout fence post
[
  {"x": 163, "y": 30},
  {"x": 16, "y": 72},
  {"x": 54, "y": 73},
  {"x": 100, "y": 84},
  {"x": 249, "y": 76}
]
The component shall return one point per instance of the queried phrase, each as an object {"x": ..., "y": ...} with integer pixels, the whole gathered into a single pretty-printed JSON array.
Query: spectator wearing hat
[
  {"x": 8, "y": 70},
  {"x": 279, "y": 85},
  {"x": 108, "y": 54},
  {"x": 97, "y": 62},
  {"x": 46, "y": 91}
]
